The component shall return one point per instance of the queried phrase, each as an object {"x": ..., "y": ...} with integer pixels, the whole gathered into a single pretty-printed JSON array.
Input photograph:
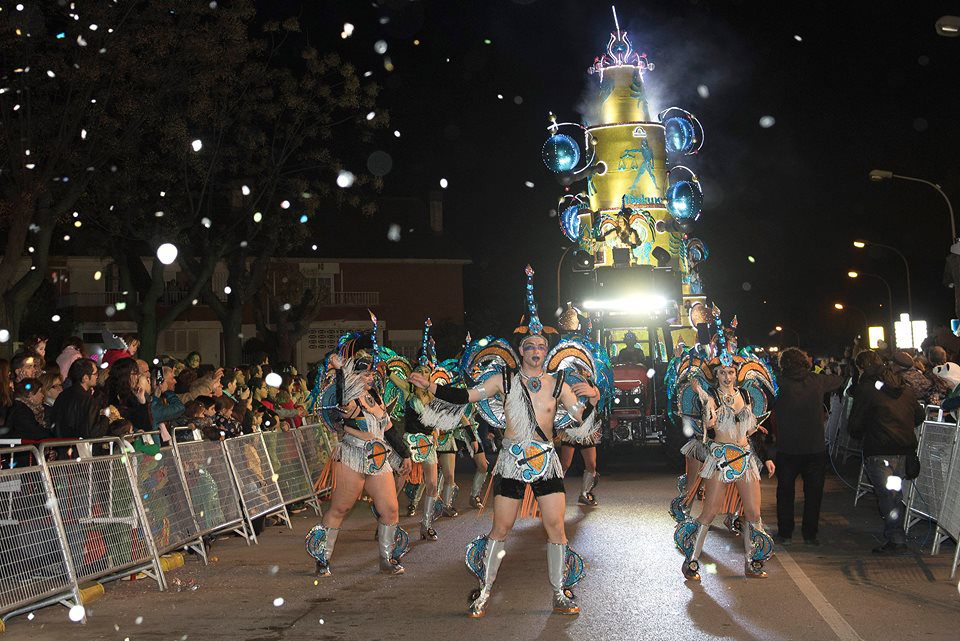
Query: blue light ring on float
[
  {"x": 560, "y": 153},
  {"x": 684, "y": 198},
  {"x": 683, "y": 133}
]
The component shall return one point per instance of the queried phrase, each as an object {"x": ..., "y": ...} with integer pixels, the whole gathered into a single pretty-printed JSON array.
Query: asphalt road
[{"x": 633, "y": 588}]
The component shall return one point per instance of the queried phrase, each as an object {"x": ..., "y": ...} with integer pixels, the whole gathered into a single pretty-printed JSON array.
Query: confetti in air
[
  {"x": 167, "y": 253},
  {"x": 197, "y": 145},
  {"x": 767, "y": 121},
  {"x": 245, "y": 190},
  {"x": 798, "y": 38},
  {"x": 77, "y": 613},
  {"x": 380, "y": 46},
  {"x": 347, "y": 30},
  {"x": 529, "y": 184},
  {"x": 894, "y": 483},
  {"x": 393, "y": 233},
  {"x": 345, "y": 179},
  {"x": 443, "y": 183},
  {"x": 703, "y": 91}
]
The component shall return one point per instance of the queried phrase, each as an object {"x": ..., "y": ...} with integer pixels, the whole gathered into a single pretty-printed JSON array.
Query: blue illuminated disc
[
  {"x": 560, "y": 153},
  {"x": 570, "y": 222},
  {"x": 684, "y": 199},
  {"x": 680, "y": 135}
]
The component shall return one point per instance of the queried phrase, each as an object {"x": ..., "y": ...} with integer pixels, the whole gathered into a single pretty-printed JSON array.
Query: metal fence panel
[
  {"x": 317, "y": 444},
  {"x": 254, "y": 476},
  {"x": 216, "y": 504},
  {"x": 926, "y": 492},
  {"x": 165, "y": 500},
  {"x": 103, "y": 518},
  {"x": 34, "y": 567},
  {"x": 291, "y": 471},
  {"x": 949, "y": 520}
]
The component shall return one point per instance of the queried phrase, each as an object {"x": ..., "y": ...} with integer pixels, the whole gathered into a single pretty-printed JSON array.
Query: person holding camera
[{"x": 885, "y": 415}]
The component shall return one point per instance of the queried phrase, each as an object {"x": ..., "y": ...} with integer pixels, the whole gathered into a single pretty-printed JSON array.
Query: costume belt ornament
[
  {"x": 532, "y": 459},
  {"x": 377, "y": 453},
  {"x": 420, "y": 445},
  {"x": 732, "y": 460}
]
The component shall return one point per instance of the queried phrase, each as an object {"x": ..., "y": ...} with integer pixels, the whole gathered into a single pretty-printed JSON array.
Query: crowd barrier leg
[
  {"x": 863, "y": 487},
  {"x": 283, "y": 514}
]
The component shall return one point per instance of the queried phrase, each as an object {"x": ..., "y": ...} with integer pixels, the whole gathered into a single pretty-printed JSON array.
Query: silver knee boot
[
  {"x": 426, "y": 524},
  {"x": 386, "y": 540},
  {"x": 487, "y": 573},
  {"x": 476, "y": 500},
  {"x": 320, "y": 542},
  {"x": 564, "y": 601},
  {"x": 689, "y": 537},
  {"x": 586, "y": 489},
  {"x": 757, "y": 549},
  {"x": 448, "y": 495}
]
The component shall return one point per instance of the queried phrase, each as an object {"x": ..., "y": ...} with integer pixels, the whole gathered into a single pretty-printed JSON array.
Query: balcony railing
[{"x": 172, "y": 297}]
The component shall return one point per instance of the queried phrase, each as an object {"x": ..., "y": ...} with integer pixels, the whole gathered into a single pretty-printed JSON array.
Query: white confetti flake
[
  {"x": 167, "y": 253},
  {"x": 77, "y": 613},
  {"x": 393, "y": 233},
  {"x": 81, "y": 41},
  {"x": 55, "y": 318},
  {"x": 197, "y": 145},
  {"x": 371, "y": 115},
  {"x": 380, "y": 46},
  {"x": 274, "y": 569},
  {"x": 443, "y": 183},
  {"x": 285, "y": 204},
  {"x": 767, "y": 121},
  {"x": 97, "y": 275},
  {"x": 158, "y": 456},
  {"x": 245, "y": 190},
  {"x": 347, "y": 30},
  {"x": 894, "y": 483},
  {"x": 345, "y": 179},
  {"x": 798, "y": 38},
  {"x": 285, "y": 307},
  {"x": 138, "y": 620},
  {"x": 205, "y": 222},
  {"x": 528, "y": 184},
  {"x": 396, "y": 133},
  {"x": 51, "y": 74},
  {"x": 278, "y": 602},
  {"x": 703, "y": 91},
  {"x": 227, "y": 289},
  {"x": 273, "y": 379},
  {"x": 257, "y": 217},
  {"x": 30, "y": 616},
  {"x": 4, "y": 335}
]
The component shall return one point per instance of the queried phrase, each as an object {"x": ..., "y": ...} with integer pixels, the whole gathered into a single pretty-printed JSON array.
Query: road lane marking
[{"x": 828, "y": 613}]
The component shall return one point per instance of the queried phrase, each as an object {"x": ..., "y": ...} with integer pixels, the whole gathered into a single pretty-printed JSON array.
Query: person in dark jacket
[
  {"x": 25, "y": 418},
  {"x": 885, "y": 415},
  {"x": 801, "y": 446},
  {"x": 127, "y": 390},
  {"x": 77, "y": 412}
]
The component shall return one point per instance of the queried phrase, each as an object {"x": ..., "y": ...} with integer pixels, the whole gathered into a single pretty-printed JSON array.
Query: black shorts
[
  {"x": 514, "y": 489},
  {"x": 577, "y": 446}
]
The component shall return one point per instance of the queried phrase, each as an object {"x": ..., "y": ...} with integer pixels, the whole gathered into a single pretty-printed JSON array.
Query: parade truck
[{"x": 629, "y": 205}]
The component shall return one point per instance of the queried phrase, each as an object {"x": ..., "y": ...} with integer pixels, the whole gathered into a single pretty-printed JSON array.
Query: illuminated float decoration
[{"x": 637, "y": 195}]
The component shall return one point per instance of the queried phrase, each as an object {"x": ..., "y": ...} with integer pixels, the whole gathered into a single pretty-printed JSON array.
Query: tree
[{"x": 64, "y": 114}]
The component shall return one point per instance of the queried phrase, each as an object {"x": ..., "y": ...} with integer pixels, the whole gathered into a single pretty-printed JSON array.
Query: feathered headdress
[{"x": 533, "y": 327}]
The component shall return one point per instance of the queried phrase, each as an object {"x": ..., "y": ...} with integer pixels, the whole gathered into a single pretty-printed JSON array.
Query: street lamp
[
  {"x": 855, "y": 275},
  {"x": 878, "y": 175},
  {"x": 779, "y": 330},
  {"x": 860, "y": 244},
  {"x": 845, "y": 306}
]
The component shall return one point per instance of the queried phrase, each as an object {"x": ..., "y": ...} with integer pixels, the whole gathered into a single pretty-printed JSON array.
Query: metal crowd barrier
[
  {"x": 255, "y": 478},
  {"x": 213, "y": 492},
  {"x": 106, "y": 509},
  {"x": 35, "y": 568},
  {"x": 166, "y": 501},
  {"x": 927, "y": 495},
  {"x": 104, "y": 519},
  {"x": 289, "y": 464},
  {"x": 317, "y": 448}
]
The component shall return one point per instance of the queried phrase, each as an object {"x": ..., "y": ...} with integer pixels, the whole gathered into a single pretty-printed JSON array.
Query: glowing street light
[{"x": 860, "y": 244}]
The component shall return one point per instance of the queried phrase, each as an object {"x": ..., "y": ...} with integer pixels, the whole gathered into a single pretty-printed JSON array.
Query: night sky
[{"x": 864, "y": 87}]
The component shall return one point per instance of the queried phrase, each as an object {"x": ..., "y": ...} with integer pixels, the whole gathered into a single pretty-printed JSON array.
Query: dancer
[
  {"x": 352, "y": 406},
  {"x": 734, "y": 450},
  {"x": 570, "y": 323},
  {"x": 530, "y": 399}
]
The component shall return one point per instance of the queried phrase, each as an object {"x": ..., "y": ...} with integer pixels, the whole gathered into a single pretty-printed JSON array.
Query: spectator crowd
[{"x": 73, "y": 396}]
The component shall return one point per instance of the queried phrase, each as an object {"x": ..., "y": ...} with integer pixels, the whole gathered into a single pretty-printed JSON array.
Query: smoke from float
[{"x": 640, "y": 201}]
